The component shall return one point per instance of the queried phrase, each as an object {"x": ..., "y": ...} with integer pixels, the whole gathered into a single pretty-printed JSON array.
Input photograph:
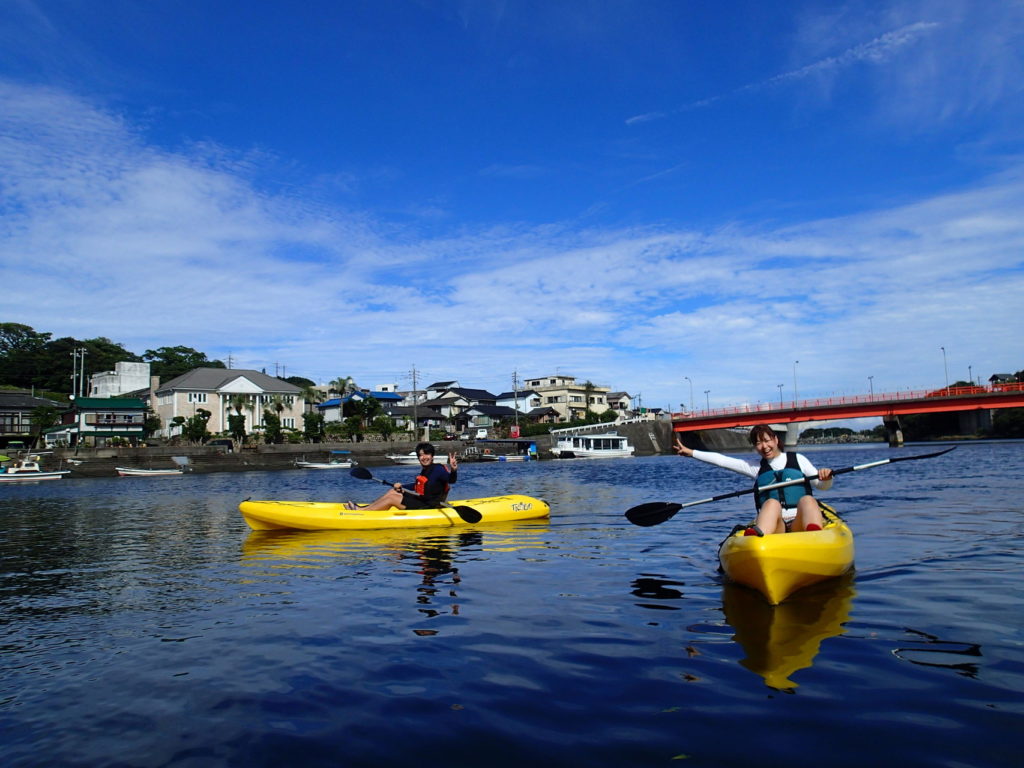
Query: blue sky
[{"x": 627, "y": 192}]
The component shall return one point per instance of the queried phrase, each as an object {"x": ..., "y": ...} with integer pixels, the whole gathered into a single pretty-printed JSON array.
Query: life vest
[
  {"x": 788, "y": 496},
  {"x": 425, "y": 477}
]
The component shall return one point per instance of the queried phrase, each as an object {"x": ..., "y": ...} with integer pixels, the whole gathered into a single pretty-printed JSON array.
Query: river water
[{"x": 143, "y": 624}]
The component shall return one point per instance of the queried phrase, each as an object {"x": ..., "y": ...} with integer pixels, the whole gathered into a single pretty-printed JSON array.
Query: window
[{"x": 197, "y": 397}]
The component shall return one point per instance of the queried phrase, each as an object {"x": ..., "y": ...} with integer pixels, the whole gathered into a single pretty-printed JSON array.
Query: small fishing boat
[
  {"x": 409, "y": 459},
  {"x": 606, "y": 446},
  {"x": 27, "y": 470},
  {"x": 503, "y": 457},
  {"x": 331, "y": 516},
  {"x": 138, "y": 472},
  {"x": 780, "y": 564},
  {"x": 338, "y": 460}
]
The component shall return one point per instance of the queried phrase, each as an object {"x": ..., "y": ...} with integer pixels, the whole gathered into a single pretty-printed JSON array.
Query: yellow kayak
[
  {"x": 329, "y": 516},
  {"x": 777, "y": 565}
]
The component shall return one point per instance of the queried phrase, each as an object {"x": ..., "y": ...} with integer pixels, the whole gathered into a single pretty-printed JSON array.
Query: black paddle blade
[
  {"x": 361, "y": 473},
  {"x": 653, "y": 513},
  {"x": 468, "y": 514}
]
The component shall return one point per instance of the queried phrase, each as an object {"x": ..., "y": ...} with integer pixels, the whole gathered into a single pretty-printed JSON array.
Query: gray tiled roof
[{"x": 212, "y": 379}]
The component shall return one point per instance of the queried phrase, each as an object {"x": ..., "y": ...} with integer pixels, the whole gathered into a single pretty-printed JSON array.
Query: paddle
[
  {"x": 468, "y": 514},
  {"x": 657, "y": 512}
]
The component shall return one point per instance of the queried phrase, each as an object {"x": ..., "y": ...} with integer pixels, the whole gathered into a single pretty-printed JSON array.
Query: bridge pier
[
  {"x": 793, "y": 430},
  {"x": 892, "y": 428}
]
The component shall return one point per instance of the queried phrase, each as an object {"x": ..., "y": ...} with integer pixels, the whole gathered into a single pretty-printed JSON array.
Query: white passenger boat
[
  {"x": 27, "y": 470},
  {"x": 606, "y": 446}
]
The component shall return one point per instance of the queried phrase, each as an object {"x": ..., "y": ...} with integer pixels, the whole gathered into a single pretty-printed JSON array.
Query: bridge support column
[
  {"x": 792, "y": 434},
  {"x": 892, "y": 427}
]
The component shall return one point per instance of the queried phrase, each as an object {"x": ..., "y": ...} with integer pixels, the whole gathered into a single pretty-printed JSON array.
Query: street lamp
[
  {"x": 691, "y": 393},
  {"x": 707, "y": 400},
  {"x": 970, "y": 375},
  {"x": 796, "y": 392},
  {"x": 780, "y": 394},
  {"x": 945, "y": 367},
  {"x": 871, "y": 383}
]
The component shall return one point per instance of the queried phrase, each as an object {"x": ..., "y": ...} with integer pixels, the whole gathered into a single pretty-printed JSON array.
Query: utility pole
[
  {"x": 515, "y": 397},
  {"x": 415, "y": 401}
]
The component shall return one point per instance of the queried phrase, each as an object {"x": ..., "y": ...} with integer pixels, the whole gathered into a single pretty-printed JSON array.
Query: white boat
[
  {"x": 137, "y": 472},
  {"x": 338, "y": 460},
  {"x": 27, "y": 471},
  {"x": 606, "y": 446},
  {"x": 503, "y": 457},
  {"x": 404, "y": 458}
]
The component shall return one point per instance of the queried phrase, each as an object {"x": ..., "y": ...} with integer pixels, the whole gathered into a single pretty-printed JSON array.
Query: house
[
  {"x": 334, "y": 408},
  {"x": 569, "y": 399},
  {"x": 16, "y": 427},
  {"x": 523, "y": 401},
  {"x": 98, "y": 421},
  {"x": 489, "y": 416},
  {"x": 620, "y": 402},
  {"x": 224, "y": 392},
  {"x": 126, "y": 378}
]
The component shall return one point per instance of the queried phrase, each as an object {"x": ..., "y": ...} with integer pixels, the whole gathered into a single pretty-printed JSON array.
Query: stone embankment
[{"x": 649, "y": 438}]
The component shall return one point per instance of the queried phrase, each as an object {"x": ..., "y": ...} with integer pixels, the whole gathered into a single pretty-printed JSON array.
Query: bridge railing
[{"x": 881, "y": 397}]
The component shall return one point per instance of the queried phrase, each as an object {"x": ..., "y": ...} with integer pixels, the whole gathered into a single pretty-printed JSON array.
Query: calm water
[{"x": 145, "y": 625}]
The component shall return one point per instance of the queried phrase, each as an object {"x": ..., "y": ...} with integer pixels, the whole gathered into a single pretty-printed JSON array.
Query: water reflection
[
  {"x": 930, "y": 651},
  {"x": 654, "y": 587},
  {"x": 780, "y": 640},
  {"x": 318, "y": 549}
]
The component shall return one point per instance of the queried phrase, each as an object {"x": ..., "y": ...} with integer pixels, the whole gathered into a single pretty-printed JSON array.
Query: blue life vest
[{"x": 788, "y": 496}]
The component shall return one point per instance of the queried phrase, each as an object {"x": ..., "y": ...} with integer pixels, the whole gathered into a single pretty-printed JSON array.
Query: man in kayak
[
  {"x": 780, "y": 510},
  {"x": 429, "y": 489}
]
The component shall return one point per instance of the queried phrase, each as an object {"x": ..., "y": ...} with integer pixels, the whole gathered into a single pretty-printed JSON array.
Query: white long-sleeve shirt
[{"x": 752, "y": 470}]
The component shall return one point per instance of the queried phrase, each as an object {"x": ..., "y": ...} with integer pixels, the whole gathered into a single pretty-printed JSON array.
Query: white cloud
[{"x": 102, "y": 235}]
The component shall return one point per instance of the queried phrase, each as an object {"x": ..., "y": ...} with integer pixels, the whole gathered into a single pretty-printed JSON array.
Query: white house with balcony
[
  {"x": 569, "y": 398},
  {"x": 224, "y": 392}
]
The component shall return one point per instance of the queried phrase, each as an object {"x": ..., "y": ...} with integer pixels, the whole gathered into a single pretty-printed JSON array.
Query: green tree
[
  {"x": 272, "y": 426},
  {"x": 313, "y": 426},
  {"x": 42, "y": 417},
  {"x": 22, "y": 358},
  {"x": 194, "y": 429},
  {"x": 300, "y": 382},
  {"x": 171, "y": 362},
  {"x": 384, "y": 426},
  {"x": 343, "y": 385},
  {"x": 152, "y": 424},
  {"x": 236, "y": 427}
]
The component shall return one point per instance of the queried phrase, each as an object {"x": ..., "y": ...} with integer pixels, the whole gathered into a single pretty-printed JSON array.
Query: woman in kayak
[
  {"x": 429, "y": 489},
  {"x": 780, "y": 510}
]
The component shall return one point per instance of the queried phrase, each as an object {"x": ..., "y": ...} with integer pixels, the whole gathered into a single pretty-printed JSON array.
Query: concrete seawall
[{"x": 648, "y": 438}]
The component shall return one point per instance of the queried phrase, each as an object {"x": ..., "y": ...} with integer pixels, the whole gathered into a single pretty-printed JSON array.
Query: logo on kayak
[{"x": 521, "y": 506}]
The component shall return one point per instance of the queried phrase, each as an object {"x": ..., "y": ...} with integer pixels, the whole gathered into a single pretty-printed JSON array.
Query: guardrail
[{"x": 884, "y": 397}]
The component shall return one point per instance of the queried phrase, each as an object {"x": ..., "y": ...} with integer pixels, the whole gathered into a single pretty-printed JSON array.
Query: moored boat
[
  {"x": 780, "y": 564},
  {"x": 409, "y": 459},
  {"x": 605, "y": 446},
  {"x": 139, "y": 472},
  {"x": 338, "y": 460},
  {"x": 27, "y": 470},
  {"x": 328, "y": 516}
]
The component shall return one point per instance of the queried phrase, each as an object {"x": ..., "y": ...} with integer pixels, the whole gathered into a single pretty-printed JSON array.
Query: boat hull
[
  {"x": 324, "y": 464},
  {"x": 134, "y": 472},
  {"x": 778, "y": 565},
  {"x": 328, "y": 516},
  {"x": 32, "y": 477}
]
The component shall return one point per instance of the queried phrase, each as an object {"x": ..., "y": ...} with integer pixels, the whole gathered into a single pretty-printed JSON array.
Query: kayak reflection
[
  {"x": 781, "y": 639},
  {"x": 319, "y": 549}
]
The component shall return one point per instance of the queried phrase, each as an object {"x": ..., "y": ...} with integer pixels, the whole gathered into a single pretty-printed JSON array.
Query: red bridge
[{"x": 888, "y": 406}]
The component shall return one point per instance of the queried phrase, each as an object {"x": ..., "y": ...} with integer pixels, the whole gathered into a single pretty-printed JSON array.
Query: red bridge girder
[{"x": 858, "y": 406}]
